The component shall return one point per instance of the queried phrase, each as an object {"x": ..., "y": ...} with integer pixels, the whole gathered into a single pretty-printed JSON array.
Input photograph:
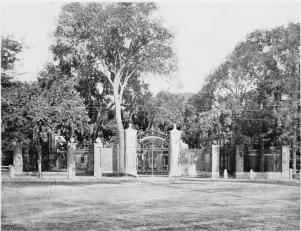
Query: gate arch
[{"x": 152, "y": 156}]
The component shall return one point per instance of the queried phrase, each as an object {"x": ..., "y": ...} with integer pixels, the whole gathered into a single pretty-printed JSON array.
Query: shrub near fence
[
  {"x": 188, "y": 161},
  {"x": 201, "y": 162}
]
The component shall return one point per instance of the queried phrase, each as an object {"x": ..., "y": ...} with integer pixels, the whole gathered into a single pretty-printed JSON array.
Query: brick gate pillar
[
  {"x": 71, "y": 149},
  {"x": 130, "y": 151},
  {"x": 18, "y": 159},
  {"x": 215, "y": 161},
  {"x": 174, "y": 148},
  {"x": 285, "y": 154},
  {"x": 239, "y": 161},
  {"x": 97, "y": 159}
]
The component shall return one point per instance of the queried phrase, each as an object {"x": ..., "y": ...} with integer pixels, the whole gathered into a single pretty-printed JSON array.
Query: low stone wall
[
  {"x": 187, "y": 169},
  {"x": 109, "y": 162}
]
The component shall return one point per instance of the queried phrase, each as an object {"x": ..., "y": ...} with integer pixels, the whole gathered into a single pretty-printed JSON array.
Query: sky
[{"x": 205, "y": 33}]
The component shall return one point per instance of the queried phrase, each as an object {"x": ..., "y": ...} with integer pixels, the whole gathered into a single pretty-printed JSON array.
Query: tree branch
[
  {"x": 125, "y": 83},
  {"x": 121, "y": 62},
  {"x": 226, "y": 87},
  {"x": 108, "y": 77}
]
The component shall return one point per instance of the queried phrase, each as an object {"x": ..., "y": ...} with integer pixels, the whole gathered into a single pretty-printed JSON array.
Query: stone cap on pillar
[
  {"x": 71, "y": 142},
  {"x": 175, "y": 130},
  {"x": 98, "y": 142},
  {"x": 130, "y": 129},
  {"x": 17, "y": 142}
]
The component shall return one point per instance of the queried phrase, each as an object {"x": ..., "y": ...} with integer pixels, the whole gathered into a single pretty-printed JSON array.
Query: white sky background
[{"x": 206, "y": 32}]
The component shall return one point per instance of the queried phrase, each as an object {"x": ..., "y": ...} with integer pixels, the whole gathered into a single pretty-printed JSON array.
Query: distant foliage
[{"x": 10, "y": 48}]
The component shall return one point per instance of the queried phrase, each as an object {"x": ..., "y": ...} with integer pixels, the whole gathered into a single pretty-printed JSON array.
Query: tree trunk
[
  {"x": 120, "y": 132},
  {"x": 39, "y": 148}
]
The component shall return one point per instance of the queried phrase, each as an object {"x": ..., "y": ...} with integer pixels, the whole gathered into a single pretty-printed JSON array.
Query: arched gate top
[
  {"x": 151, "y": 137},
  {"x": 152, "y": 142}
]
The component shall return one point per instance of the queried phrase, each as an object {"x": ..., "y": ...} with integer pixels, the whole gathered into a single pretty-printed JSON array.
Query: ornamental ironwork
[
  {"x": 152, "y": 131},
  {"x": 152, "y": 156}
]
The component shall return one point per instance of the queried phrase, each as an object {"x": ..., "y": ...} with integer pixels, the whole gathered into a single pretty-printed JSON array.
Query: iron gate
[
  {"x": 227, "y": 160},
  {"x": 152, "y": 156}
]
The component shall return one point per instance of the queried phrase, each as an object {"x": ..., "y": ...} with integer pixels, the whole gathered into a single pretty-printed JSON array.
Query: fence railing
[{"x": 5, "y": 168}]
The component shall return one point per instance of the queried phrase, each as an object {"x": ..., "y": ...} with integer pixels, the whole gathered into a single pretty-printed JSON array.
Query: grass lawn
[{"x": 149, "y": 204}]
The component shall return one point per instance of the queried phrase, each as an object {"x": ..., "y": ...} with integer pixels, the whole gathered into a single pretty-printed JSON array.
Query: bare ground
[{"x": 149, "y": 204}]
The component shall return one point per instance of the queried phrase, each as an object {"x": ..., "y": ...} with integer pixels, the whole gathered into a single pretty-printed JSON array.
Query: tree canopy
[
  {"x": 113, "y": 43},
  {"x": 250, "y": 86},
  {"x": 32, "y": 110}
]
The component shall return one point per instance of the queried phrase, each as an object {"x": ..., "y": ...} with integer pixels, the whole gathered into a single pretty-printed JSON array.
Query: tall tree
[{"x": 119, "y": 41}]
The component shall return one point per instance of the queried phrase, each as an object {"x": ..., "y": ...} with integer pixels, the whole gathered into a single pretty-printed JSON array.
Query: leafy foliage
[
  {"x": 9, "y": 51},
  {"x": 162, "y": 112},
  {"x": 248, "y": 88}
]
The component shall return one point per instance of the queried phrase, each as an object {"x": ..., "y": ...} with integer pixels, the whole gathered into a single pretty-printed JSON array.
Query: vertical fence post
[
  {"x": 11, "y": 171},
  {"x": 239, "y": 161},
  {"x": 18, "y": 159},
  {"x": 97, "y": 159},
  {"x": 130, "y": 151},
  {"x": 215, "y": 160},
  {"x": 71, "y": 149},
  {"x": 251, "y": 175},
  {"x": 174, "y": 151},
  {"x": 225, "y": 174},
  {"x": 285, "y": 153}
]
